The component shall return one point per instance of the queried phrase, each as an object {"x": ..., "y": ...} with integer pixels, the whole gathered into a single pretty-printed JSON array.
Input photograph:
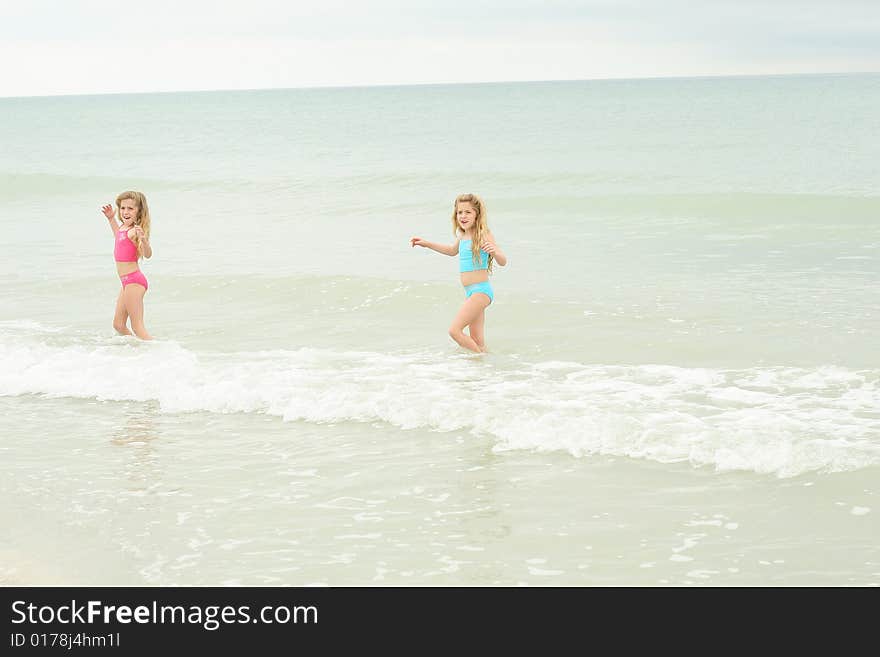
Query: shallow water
[{"x": 682, "y": 386}]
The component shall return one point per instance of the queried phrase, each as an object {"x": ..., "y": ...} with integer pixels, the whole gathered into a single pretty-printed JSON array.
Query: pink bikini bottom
[{"x": 134, "y": 277}]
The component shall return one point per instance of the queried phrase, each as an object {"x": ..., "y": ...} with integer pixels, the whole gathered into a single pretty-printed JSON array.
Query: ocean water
[{"x": 683, "y": 383}]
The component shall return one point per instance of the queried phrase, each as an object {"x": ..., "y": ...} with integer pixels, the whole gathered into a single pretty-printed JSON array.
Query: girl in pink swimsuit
[{"x": 132, "y": 239}]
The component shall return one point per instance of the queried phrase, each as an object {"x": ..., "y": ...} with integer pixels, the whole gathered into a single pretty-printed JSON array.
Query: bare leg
[
  {"x": 120, "y": 317},
  {"x": 476, "y": 331},
  {"x": 471, "y": 309},
  {"x": 133, "y": 294}
]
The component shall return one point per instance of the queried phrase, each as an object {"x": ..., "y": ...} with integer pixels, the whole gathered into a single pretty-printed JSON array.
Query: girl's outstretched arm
[
  {"x": 110, "y": 213},
  {"x": 450, "y": 249},
  {"x": 490, "y": 247}
]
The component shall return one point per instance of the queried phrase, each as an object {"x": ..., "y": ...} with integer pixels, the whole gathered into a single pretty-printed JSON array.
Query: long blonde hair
[
  {"x": 143, "y": 215},
  {"x": 481, "y": 224}
]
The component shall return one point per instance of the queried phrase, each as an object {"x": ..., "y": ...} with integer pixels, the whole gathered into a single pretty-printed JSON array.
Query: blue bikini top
[{"x": 466, "y": 257}]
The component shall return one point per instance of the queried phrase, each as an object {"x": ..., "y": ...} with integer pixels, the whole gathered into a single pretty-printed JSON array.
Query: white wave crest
[{"x": 783, "y": 421}]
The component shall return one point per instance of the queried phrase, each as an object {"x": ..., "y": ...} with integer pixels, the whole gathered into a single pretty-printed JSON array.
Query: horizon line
[{"x": 444, "y": 84}]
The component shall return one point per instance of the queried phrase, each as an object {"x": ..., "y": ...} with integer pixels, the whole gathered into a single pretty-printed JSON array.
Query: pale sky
[{"x": 51, "y": 47}]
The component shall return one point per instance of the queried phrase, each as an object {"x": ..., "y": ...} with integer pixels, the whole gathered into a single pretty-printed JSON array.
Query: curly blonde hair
[
  {"x": 143, "y": 215},
  {"x": 481, "y": 225}
]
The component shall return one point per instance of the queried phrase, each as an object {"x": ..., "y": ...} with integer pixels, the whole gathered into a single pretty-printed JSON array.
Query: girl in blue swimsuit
[{"x": 477, "y": 251}]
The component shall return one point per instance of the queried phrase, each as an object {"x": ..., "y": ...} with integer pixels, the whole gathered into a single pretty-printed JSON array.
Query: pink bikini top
[{"x": 125, "y": 250}]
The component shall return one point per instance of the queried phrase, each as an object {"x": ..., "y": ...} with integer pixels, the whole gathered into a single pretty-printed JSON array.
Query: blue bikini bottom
[{"x": 485, "y": 288}]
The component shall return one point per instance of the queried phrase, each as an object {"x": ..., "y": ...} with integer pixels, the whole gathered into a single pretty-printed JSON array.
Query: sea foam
[{"x": 783, "y": 421}]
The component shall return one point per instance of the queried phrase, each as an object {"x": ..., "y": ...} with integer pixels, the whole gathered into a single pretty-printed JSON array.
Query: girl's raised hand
[
  {"x": 417, "y": 241},
  {"x": 488, "y": 246},
  {"x": 108, "y": 211}
]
